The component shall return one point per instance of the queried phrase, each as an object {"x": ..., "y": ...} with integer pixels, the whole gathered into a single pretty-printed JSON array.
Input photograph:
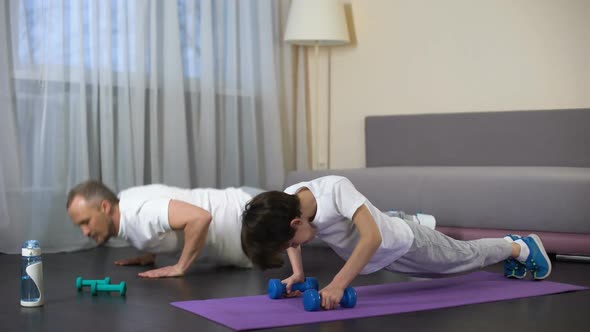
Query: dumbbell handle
[
  {"x": 276, "y": 289},
  {"x": 300, "y": 286},
  {"x": 121, "y": 288},
  {"x": 81, "y": 282}
]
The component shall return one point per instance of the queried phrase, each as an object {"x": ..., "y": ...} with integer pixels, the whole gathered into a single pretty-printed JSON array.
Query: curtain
[{"x": 187, "y": 93}]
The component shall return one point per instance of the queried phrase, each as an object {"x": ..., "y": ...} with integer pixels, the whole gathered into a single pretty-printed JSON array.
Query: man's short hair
[
  {"x": 266, "y": 227},
  {"x": 92, "y": 191}
]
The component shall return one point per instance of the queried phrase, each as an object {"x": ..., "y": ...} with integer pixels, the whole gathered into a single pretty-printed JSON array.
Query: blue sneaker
[
  {"x": 538, "y": 262},
  {"x": 512, "y": 267}
]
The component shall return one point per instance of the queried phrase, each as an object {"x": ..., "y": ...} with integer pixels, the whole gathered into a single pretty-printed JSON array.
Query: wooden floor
[{"x": 146, "y": 306}]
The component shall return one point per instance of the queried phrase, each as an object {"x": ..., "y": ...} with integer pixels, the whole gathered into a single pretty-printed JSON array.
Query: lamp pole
[
  {"x": 319, "y": 162},
  {"x": 317, "y": 23}
]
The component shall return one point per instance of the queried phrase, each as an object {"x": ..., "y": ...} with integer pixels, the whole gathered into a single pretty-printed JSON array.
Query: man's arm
[
  {"x": 370, "y": 240},
  {"x": 194, "y": 222}
]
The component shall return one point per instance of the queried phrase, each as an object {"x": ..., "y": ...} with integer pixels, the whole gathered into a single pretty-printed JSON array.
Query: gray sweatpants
[{"x": 434, "y": 254}]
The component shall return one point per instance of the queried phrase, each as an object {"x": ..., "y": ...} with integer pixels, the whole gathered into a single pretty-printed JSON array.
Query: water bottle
[{"x": 31, "y": 288}]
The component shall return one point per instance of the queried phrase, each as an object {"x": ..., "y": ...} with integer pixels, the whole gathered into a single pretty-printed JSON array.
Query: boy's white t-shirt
[
  {"x": 144, "y": 221},
  {"x": 337, "y": 200}
]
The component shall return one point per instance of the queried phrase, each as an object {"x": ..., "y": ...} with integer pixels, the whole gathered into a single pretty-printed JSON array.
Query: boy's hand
[
  {"x": 164, "y": 272},
  {"x": 293, "y": 279},
  {"x": 331, "y": 296}
]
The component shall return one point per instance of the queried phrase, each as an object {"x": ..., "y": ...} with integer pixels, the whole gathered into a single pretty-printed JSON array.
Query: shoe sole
[
  {"x": 537, "y": 240},
  {"x": 516, "y": 277}
]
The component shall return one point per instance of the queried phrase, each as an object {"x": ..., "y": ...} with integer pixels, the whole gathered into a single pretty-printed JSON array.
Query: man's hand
[
  {"x": 163, "y": 272},
  {"x": 147, "y": 259},
  {"x": 331, "y": 296}
]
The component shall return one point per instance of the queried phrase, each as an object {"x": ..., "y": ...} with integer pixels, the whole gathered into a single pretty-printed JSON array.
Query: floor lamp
[{"x": 317, "y": 23}]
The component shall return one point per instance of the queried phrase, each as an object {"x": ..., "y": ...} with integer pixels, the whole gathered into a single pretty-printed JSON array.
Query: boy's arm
[
  {"x": 297, "y": 266},
  {"x": 194, "y": 222},
  {"x": 370, "y": 240}
]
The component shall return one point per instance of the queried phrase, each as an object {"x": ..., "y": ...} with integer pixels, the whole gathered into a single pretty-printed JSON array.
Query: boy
[
  {"x": 161, "y": 219},
  {"x": 369, "y": 240}
]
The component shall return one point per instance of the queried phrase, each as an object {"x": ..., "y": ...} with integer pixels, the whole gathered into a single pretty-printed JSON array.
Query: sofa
[{"x": 484, "y": 174}]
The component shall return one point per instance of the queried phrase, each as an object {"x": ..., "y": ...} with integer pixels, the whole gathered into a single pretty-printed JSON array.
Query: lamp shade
[{"x": 312, "y": 22}]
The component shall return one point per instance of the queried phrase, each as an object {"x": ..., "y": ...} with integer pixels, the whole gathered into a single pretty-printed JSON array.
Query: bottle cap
[{"x": 31, "y": 248}]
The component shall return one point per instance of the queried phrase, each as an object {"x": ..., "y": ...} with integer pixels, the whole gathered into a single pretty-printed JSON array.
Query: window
[{"x": 76, "y": 35}]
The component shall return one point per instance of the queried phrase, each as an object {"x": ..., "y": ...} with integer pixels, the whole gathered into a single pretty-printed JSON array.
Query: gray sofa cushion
[
  {"x": 552, "y": 199},
  {"x": 556, "y": 138},
  {"x": 482, "y": 174}
]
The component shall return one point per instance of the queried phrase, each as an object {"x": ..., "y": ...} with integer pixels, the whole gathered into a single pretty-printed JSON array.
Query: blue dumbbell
[
  {"x": 121, "y": 288},
  {"x": 276, "y": 289},
  {"x": 80, "y": 283},
  {"x": 312, "y": 301}
]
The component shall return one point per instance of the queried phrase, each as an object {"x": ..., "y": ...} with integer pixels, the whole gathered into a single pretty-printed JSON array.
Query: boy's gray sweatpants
[{"x": 434, "y": 254}]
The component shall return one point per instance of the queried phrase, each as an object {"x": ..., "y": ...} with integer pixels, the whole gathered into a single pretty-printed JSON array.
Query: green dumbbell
[
  {"x": 80, "y": 283},
  {"x": 121, "y": 288}
]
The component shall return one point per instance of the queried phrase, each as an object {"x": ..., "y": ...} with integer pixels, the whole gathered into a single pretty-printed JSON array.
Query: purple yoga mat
[{"x": 257, "y": 312}]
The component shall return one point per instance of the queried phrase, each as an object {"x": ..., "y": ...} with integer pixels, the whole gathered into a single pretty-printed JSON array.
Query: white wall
[{"x": 431, "y": 56}]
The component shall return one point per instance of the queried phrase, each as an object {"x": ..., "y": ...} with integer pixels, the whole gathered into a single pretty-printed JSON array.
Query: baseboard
[{"x": 573, "y": 258}]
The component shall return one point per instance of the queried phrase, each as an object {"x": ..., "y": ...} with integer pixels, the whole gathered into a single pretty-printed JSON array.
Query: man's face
[{"x": 93, "y": 218}]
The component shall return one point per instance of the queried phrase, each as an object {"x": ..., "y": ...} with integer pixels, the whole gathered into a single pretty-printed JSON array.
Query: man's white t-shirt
[
  {"x": 337, "y": 200},
  {"x": 144, "y": 221}
]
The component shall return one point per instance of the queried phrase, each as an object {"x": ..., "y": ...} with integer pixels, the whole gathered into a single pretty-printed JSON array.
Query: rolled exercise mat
[{"x": 258, "y": 312}]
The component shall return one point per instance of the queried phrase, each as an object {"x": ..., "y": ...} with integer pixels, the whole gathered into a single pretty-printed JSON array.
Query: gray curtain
[{"x": 186, "y": 93}]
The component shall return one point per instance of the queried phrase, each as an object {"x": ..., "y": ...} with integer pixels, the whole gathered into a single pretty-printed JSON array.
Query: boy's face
[{"x": 304, "y": 232}]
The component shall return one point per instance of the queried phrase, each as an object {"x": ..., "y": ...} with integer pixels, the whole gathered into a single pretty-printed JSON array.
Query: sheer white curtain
[{"x": 187, "y": 93}]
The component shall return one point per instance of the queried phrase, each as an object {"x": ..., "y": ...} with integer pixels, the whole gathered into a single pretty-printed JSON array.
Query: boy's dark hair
[
  {"x": 266, "y": 227},
  {"x": 92, "y": 191}
]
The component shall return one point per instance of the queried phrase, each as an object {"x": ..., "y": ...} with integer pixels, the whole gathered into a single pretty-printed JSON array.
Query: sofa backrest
[{"x": 515, "y": 138}]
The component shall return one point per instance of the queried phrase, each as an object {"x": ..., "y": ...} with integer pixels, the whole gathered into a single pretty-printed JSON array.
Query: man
[{"x": 162, "y": 219}]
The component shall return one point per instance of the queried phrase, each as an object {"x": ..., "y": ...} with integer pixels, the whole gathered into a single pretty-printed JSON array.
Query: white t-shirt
[
  {"x": 144, "y": 221},
  {"x": 337, "y": 200}
]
